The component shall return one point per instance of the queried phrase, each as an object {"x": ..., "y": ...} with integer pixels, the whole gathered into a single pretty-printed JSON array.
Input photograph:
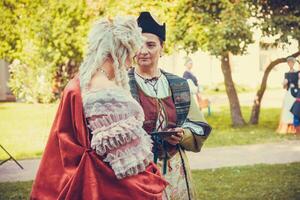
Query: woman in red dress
[{"x": 97, "y": 148}]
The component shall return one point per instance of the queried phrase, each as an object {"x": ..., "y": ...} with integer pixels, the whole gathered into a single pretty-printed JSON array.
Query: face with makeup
[{"x": 150, "y": 52}]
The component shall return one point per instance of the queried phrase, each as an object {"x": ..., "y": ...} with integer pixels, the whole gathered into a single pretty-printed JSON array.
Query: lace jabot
[{"x": 115, "y": 120}]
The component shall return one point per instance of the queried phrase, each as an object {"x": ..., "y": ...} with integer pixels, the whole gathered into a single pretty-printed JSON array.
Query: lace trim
[
  {"x": 111, "y": 140},
  {"x": 116, "y": 135},
  {"x": 108, "y": 95},
  {"x": 130, "y": 161},
  {"x": 105, "y": 124},
  {"x": 116, "y": 122},
  {"x": 114, "y": 109},
  {"x": 117, "y": 105}
]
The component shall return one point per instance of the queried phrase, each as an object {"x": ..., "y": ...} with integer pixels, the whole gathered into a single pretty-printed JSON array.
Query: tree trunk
[
  {"x": 235, "y": 109},
  {"x": 259, "y": 94}
]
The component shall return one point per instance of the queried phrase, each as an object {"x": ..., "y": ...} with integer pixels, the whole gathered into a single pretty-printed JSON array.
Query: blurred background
[{"x": 239, "y": 50}]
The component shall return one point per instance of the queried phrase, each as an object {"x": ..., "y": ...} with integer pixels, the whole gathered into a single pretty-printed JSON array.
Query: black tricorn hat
[{"x": 149, "y": 25}]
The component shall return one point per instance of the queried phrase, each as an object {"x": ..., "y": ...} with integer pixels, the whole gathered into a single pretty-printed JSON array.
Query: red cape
[{"x": 70, "y": 169}]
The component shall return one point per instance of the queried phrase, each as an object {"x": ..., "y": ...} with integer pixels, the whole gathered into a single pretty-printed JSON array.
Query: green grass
[
  {"x": 15, "y": 191},
  {"x": 276, "y": 182},
  {"x": 224, "y": 134},
  {"x": 25, "y": 128},
  {"x": 219, "y": 88}
]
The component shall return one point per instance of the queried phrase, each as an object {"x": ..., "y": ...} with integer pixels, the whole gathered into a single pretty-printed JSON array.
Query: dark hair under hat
[{"x": 149, "y": 25}]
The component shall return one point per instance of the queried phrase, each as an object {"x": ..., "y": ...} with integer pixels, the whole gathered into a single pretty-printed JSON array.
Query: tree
[
  {"x": 47, "y": 37},
  {"x": 11, "y": 13},
  {"x": 220, "y": 27},
  {"x": 19, "y": 43},
  {"x": 280, "y": 19},
  {"x": 158, "y": 9}
]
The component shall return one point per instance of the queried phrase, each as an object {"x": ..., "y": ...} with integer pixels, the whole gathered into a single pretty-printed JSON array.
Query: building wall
[
  {"x": 246, "y": 70},
  {"x": 4, "y": 74}
]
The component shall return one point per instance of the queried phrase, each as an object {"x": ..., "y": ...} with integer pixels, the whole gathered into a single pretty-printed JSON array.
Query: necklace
[
  {"x": 103, "y": 72},
  {"x": 151, "y": 81}
]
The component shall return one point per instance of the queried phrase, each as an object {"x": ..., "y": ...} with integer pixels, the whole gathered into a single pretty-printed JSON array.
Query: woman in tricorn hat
[{"x": 168, "y": 106}]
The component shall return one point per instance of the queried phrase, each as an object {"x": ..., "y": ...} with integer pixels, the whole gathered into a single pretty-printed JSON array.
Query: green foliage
[
  {"x": 47, "y": 37},
  {"x": 9, "y": 34},
  {"x": 62, "y": 38},
  {"x": 129, "y": 7},
  {"x": 217, "y": 26},
  {"x": 214, "y": 26},
  {"x": 160, "y": 10},
  {"x": 279, "y": 18},
  {"x": 31, "y": 84}
]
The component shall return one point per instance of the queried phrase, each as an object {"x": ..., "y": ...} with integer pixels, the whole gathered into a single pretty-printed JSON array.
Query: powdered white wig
[{"x": 118, "y": 38}]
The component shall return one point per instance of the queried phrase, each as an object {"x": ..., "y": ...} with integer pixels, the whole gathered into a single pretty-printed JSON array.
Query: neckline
[
  {"x": 111, "y": 88},
  {"x": 145, "y": 79},
  {"x": 163, "y": 98}
]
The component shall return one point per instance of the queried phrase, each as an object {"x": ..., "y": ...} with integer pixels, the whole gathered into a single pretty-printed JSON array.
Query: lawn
[
  {"x": 265, "y": 182},
  {"x": 219, "y": 88},
  {"x": 225, "y": 135},
  {"x": 276, "y": 182},
  {"x": 25, "y": 128}
]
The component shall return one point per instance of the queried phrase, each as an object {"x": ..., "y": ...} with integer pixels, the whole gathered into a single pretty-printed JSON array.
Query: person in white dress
[{"x": 291, "y": 87}]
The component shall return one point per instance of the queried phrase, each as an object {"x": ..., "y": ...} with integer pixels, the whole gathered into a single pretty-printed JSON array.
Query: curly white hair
[{"x": 118, "y": 38}]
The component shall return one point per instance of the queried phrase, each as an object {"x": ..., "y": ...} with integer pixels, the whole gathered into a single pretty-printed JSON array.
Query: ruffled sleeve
[{"x": 117, "y": 133}]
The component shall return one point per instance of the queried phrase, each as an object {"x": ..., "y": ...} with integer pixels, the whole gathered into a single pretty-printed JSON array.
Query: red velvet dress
[{"x": 70, "y": 169}]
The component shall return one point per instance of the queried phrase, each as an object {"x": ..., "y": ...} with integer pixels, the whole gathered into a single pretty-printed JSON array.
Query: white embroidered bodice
[{"x": 115, "y": 120}]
